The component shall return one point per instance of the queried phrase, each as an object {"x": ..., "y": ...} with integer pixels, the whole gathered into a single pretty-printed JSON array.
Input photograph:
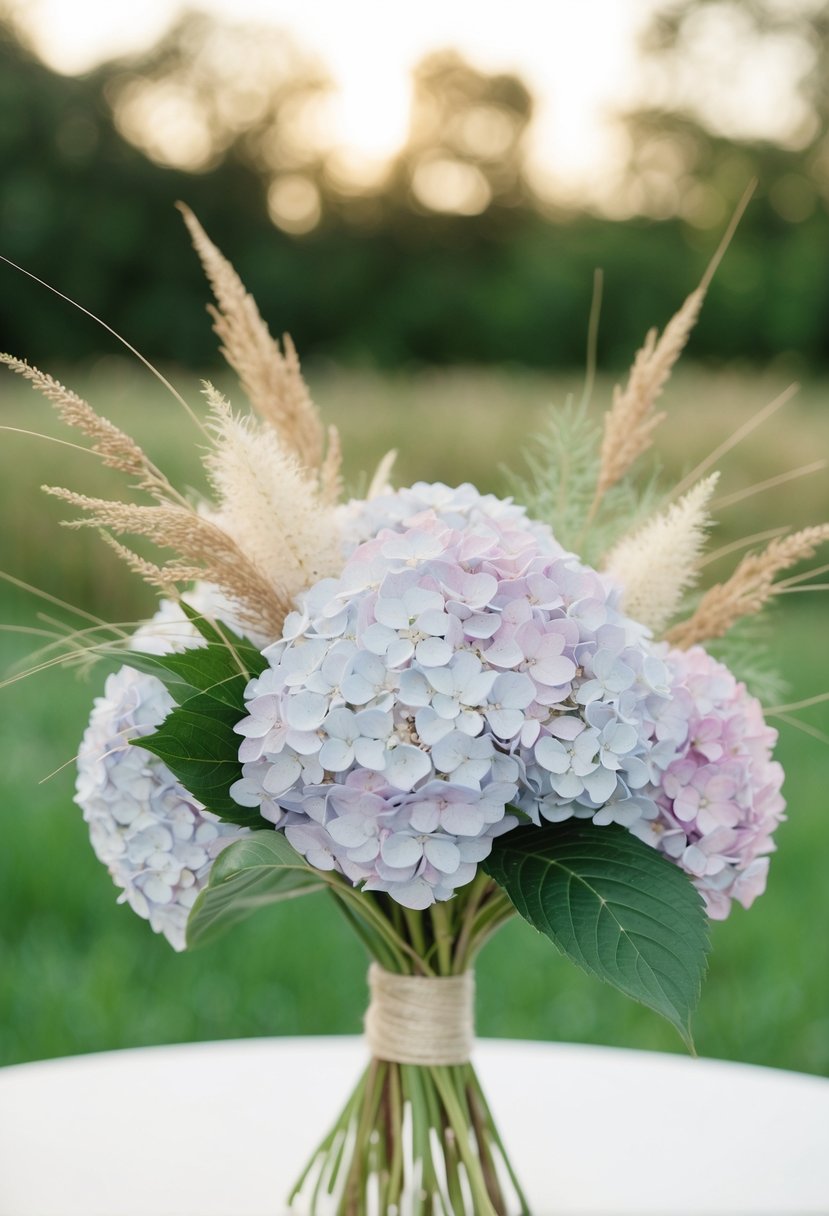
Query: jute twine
[{"x": 420, "y": 1019}]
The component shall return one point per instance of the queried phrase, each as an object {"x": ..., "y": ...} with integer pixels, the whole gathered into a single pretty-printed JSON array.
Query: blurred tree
[
  {"x": 735, "y": 91},
  {"x": 209, "y": 93},
  {"x": 447, "y": 260},
  {"x": 732, "y": 87},
  {"x": 464, "y": 153},
  {"x": 84, "y": 208}
]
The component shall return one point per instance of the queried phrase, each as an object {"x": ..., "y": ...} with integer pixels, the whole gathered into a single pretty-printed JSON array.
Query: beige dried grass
[
  {"x": 748, "y": 589},
  {"x": 657, "y": 564},
  {"x": 381, "y": 480},
  {"x": 116, "y": 449},
  {"x": 203, "y": 550},
  {"x": 269, "y": 504},
  {"x": 270, "y": 376},
  {"x": 631, "y": 420},
  {"x": 330, "y": 479}
]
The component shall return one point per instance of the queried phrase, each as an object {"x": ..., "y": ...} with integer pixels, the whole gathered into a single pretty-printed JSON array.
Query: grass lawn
[{"x": 78, "y": 974}]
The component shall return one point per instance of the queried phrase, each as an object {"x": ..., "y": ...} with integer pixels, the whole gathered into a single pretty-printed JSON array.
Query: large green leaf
[
  {"x": 222, "y": 666},
  {"x": 613, "y": 905},
  {"x": 197, "y": 740},
  {"x": 211, "y": 668},
  {"x": 198, "y": 743},
  {"x": 258, "y": 870},
  {"x": 246, "y": 655}
]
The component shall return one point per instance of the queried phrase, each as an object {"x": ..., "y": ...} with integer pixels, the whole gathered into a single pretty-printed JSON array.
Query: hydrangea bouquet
[{"x": 438, "y": 709}]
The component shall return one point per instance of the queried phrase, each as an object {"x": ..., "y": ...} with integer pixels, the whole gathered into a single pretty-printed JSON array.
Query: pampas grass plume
[
  {"x": 657, "y": 564},
  {"x": 268, "y": 503}
]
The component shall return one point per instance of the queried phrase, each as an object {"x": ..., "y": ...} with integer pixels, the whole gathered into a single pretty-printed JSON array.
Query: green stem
[
  {"x": 494, "y": 912},
  {"x": 374, "y": 944},
  {"x": 342, "y": 1124},
  {"x": 473, "y": 896},
  {"x": 363, "y": 905},
  {"x": 442, "y": 932},
  {"x": 396, "y": 1118},
  {"x": 460, "y": 1125},
  {"x": 480, "y": 1098},
  {"x": 355, "y": 1186},
  {"x": 456, "y": 1151},
  {"x": 417, "y": 935},
  {"x": 479, "y": 1124}
]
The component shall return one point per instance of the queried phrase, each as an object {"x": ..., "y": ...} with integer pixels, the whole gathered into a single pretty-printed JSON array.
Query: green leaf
[
  {"x": 223, "y": 666},
  {"x": 613, "y": 905},
  {"x": 248, "y": 657},
  {"x": 198, "y": 743},
  {"x": 197, "y": 740},
  {"x": 259, "y": 870},
  {"x": 210, "y": 668}
]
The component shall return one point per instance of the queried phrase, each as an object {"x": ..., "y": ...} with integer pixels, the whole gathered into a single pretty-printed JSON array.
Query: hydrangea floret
[{"x": 719, "y": 798}]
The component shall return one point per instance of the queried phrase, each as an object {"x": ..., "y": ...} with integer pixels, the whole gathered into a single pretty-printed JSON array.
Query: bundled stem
[{"x": 412, "y": 1138}]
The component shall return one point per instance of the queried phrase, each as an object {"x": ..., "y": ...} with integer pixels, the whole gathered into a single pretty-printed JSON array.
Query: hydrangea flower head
[
  {"x": 456, "y": 506},
  {"x": 719, "y": 798},
  {"x": 157, "y": 841},
  {"x": 448, "y": 672}
]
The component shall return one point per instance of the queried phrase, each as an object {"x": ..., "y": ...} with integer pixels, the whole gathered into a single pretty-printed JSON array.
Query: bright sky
[{"x": 578, "y": 57}]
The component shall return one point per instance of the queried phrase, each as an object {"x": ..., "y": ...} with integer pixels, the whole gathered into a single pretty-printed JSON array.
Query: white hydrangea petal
[
  {"x": 406, "y": 766},
  {"x": 283, "y": 771},
  {"x": 401, "y": 850},
  {"x": 433, "y": 652},
  {"x": 442, "y": 853},
  {"x": 306, "y": 710},
  {"x": 392, "y": 613},
  {"x": 399, "y": 652},
  {"x": 335, "y": 756}
]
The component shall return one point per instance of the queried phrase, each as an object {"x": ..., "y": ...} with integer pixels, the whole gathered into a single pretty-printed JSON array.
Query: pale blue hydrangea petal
[{"x": 405, "y": 766}]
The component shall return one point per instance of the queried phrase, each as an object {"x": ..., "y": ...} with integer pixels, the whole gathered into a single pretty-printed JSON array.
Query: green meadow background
[{"x": 78, "y": 974}]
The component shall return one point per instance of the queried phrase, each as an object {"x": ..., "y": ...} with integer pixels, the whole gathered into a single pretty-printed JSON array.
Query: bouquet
[{"x": 440, "y": 710}]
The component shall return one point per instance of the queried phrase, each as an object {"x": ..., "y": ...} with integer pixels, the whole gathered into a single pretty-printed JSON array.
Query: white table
[{"x": 169, "y": 1131}]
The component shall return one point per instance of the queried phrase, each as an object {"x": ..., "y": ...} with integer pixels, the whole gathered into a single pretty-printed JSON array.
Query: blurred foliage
[{"x": 450, "y": 257}]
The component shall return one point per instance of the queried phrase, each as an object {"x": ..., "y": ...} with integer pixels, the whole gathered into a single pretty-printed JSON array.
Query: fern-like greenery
[{"x": 559, "y": 484}]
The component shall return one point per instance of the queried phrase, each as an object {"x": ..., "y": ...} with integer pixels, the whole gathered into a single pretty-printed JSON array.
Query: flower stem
[{"x": 416, "y": 1139}]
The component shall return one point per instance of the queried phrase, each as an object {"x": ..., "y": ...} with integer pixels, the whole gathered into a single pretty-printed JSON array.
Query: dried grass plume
[
  {"x": 203, "y": 550},
  {"x": 116, "y": 449},
  {"x": 271, "y": 506},
  {"x": 270, "y": 375},
  {"x": 748, "y": 589},
  {"x": 631, "y": 420},
  {"x": 657, "y": 564}
]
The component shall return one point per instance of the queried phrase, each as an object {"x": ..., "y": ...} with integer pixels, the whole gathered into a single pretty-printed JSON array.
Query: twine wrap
[{"x": 420, "y": 1019}]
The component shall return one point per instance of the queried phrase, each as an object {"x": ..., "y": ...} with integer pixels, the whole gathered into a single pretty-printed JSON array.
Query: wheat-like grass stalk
[
  {"x": 268, "y": 503},
  {"x": 203, "y": 550},
  {"x": 116, "y": 449},
  {"x": 381, "y": 479},
  {"x": 330, "y": 479},
  {"x": 771, "y": 483},
  {"x": 631, "y": 420},
  {"x": 748, "y": 589},
  {"x": 270, "y": 376},
  {"x": 657, "y": 564},
  {"x": 744, "y": 542}
]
